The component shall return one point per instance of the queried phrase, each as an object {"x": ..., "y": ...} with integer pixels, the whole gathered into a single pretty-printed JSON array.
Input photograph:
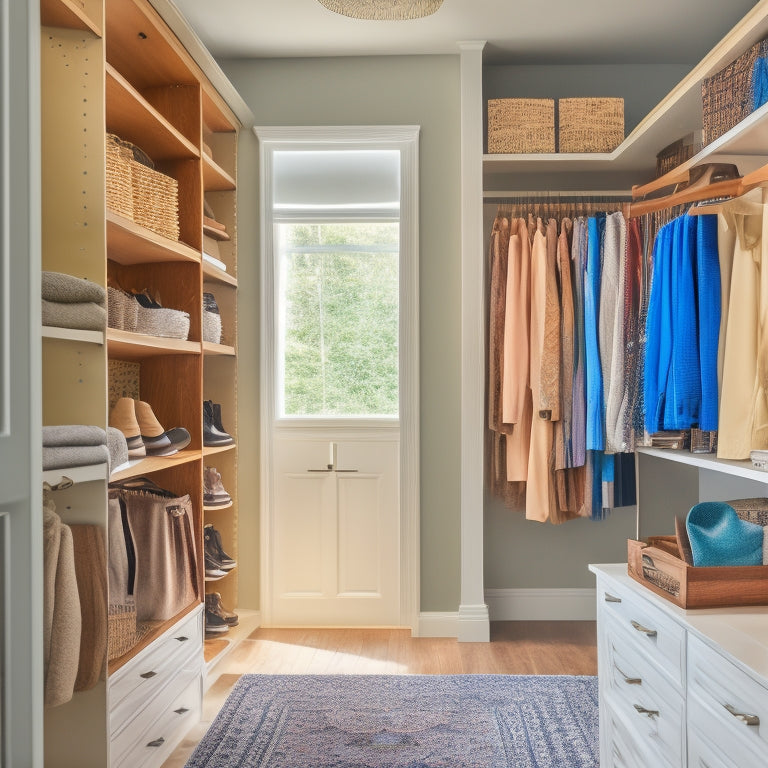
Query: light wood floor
[{"x": 516, "y": 648}]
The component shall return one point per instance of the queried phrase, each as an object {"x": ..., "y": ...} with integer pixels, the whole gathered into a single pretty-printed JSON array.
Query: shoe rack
[{"x": 113, "y": 66}]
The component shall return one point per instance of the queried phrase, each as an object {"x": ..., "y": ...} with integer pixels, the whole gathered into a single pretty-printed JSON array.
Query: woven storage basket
[
  {"x": 161, "y": 321},
  {"x": 726, "y": 97},
  {"x": 119, "y": 196},
  {"x": 121, "y": 623},
  {"x": 675, "y": 154},
  {"x": 155, "y": 200},
  {"x": 590, "y": 125},
  {"x": 521, "y": 126},
  {"x": 211, "y": 327},
  {"x": 122, "y": 310}
]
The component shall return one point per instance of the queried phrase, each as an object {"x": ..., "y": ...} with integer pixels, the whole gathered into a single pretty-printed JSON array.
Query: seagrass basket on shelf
[
  {"x": 119, "y": 195},
  {"x": 727, "y": 96},
  {"x": 590, "y": 124},
  {"x": 521, "y": 126},
  {"x": 675, "y": 154},
  {"x": 121, "y": 624}
]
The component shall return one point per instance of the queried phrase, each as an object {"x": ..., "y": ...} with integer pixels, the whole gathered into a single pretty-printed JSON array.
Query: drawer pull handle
[
  {"x": 629, "y": 680},
  {"x": 181, "y": 710},
  {"x": 644, "y": 630},
  {"x": 157, "y": 742},
  {"x": 181, "y": 639},
  {"x": 147, "y": 675},
  {"x": 743, "y": 716},
  {"x": 647, "y": 712},
  {"x": 609, "y": 598}
]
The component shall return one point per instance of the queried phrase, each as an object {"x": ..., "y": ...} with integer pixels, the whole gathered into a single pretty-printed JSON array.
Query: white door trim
[{"x": 405, "y": 139}]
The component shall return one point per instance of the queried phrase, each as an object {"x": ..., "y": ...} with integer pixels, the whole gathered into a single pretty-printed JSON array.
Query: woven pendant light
[{"x": 383, "y": 10}]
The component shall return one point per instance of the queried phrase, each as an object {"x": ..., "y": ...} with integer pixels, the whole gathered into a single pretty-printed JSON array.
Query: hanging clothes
[
  {"x": 499, "y": 251},
  {"x": 593, "y": 371},
  {"x": 579, "y": 420}
]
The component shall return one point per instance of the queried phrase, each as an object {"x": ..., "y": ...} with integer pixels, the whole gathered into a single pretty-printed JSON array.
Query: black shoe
[
  {"x": 213, "y": 569},
  {"x": 214, "y": 607},
  {"x": 209, "y": 303},
  {"x": 213, "y": 547},
  {"x": 212, "y": 436},
  {"x": 215, "y": 624}
]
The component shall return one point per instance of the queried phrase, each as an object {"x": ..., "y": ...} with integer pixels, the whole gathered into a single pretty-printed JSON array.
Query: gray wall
[{"x": 415, "y": 90}]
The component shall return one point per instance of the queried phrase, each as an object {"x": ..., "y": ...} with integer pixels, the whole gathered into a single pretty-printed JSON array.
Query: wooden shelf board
[
  {"x": 221, "y": 506},
  {"x": 217, "y": 116},
  {"x": 212, "y": 272},
  {"x": 132, "y": 117},
  {"x": 216, "y": 234},
  {"x": 708, "y": 461},
  {"x": 212, "y": 580},
  {"x": 87, "y": 474},
  {"x": 158, "y": 627},
  {"x": 67, "y": 14},
  {"x": 132, "y": 346},
  {"x": 217, "y": 648},
  {"x": 73, "y": 334},
  {"x": 130, "y": 243},
  {"x": 149, "y": 464},
  {"x": 215, "y": 178},
  {"x": 218, "y": 349},
  {"x": 209, "y": 450}
]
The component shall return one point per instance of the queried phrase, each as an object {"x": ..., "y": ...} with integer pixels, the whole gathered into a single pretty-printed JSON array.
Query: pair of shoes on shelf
[
  {"x": 214, "y": 434},
  {"x": 144, "y": 434},
  {"x": 214, "y": 493},
  {"x": 217, "y": 618},
  {"x": 217, "y": 562}
]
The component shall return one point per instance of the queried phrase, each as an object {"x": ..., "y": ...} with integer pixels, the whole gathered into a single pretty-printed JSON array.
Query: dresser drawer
[
  {"x": 728, "y": 697},
  {"x": 156, "y": 731},
  {"x": 706, "y": 751},
  {"x": 652, "y": 706},
  {"x": 659, "y": 636},
  {"x": 135, "y": 684}
]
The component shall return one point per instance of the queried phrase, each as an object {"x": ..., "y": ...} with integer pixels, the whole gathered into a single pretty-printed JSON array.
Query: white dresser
[{"x": 679, "y": 688}]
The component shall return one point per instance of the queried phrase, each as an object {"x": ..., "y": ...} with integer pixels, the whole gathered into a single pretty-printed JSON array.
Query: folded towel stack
[
  {"x": 71, "y": 302},
  {"x": 74, "y": 445}
]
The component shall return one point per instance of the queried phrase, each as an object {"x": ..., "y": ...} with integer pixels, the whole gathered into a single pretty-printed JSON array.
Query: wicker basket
[
  {"x": 590, "y": 125},
  {"x": 164, "y": 322},
  {"x": 122, "y": 310},
  {"x": 675, "y": 154},
  {"x": 211, "y": 327},
  {"x": 119, "y": 197},
  {"x": 726, "y": 97},
  {"x": 122, "y": 636},
  {"x": 155, "y": 200},
  {"x": 521, "y": 126}
]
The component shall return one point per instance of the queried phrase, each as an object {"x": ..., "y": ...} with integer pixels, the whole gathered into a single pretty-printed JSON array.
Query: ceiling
[{"x": 548, "y": 31}]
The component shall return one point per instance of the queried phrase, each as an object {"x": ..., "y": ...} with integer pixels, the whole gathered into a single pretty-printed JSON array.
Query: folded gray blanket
[
  {"x": 85, "y": 316},
  {"x": 58, "y": 286},
  {"x": 118, "y": 448},
  {"x": 68, "y": 435},
  {"x": 61, "y": 457}
]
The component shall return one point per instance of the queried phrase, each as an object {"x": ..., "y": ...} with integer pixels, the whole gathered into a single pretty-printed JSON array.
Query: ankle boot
[
  {"x": 159, "y": 442},
  {"x": 123, "y": 417},
  {"x": 214, "y": 605},
  {"x": 211, "y": 435},
  {"x": 214, "y": 493}
]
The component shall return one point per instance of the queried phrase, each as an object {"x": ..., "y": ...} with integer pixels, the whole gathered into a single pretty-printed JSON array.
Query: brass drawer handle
[
  {"x": 609, "y": 598},
  {"x": 743, "y": 716},
  {"x": 647, "y": 712},
  {"x": 644, "y": 630},
  {"x": 628, "y": 680},
  {"x": 157, "y": 742},
  {"x": 148, "y": 675}
]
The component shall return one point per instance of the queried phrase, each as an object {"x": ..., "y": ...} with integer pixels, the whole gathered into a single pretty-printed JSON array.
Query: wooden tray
[{"x": 656, "y": 565}]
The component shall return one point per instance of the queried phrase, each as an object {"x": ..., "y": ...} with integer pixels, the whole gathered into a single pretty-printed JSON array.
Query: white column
[{"x": 473, "y": 612}]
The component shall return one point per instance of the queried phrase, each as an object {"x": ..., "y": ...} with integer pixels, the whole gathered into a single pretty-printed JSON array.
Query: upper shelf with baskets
[{"x": 678, "y": 114}]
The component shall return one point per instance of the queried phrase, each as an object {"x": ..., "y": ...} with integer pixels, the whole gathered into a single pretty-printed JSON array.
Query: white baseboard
[
  {"x": 541, "y": 604},
  {"x": 474, "y": 624},
  {"x": 439, "y": 624}
]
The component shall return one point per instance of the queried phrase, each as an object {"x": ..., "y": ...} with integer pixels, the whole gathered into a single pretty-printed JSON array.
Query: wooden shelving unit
[
  {"x": 209, "y": 348},
  {"x": 69, "y": 14},
  {"x": 130, "y": 243},
  {"x": 216, "y": 179},
  {"x": 73, "y": 334},
  {"x": 135, "y": 346},
  {"x": 216, "y": 275}
]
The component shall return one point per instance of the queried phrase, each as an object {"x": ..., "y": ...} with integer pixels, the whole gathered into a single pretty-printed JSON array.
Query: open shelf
[
  {"x": 125, "y": 345},
  {"x": 209, "y": 348},
  {"x": 212, "y": 272},
  {"x": 216, "y": 648},
  {"x": 216, "y": 509},
  {"x": 130, "y": 243},
  {"x": 67, "y": 14},
  {"x": 215, "y": 178},
  {"x": 88, "y": 474},
  {"x": 708, "y": 461},
  {"x": 73, "y": 334},
  {"x": 132, "y": 117},
  {"x": 138, "y": 467},
  {"x": 209, "y": 450}
]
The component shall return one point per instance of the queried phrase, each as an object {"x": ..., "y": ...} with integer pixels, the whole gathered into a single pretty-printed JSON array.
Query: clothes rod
[{"x": 614, "y": 194}]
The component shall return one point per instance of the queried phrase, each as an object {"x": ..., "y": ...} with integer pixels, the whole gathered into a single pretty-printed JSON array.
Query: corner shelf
[
  {"x": 68, "y": 15},
  {"x": 708, "y": 461},
  {"x": 216, "y": 509},
  {"x": 130, "y": 243},
  {"x": 72, "y": 334},
  {"x": 209, "y": 348},
  {"x": 143, "y": 466},
  {"x": 215, "y": 178},
  {"x": 210, "y": 450},
  {"x": 210, "y": 272},
  {"x": 125, "y": 345}
]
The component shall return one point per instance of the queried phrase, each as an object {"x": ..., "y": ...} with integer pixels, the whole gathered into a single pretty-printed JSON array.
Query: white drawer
[
  {"x": 662, "y": 638},
  {"x": 161, "y": 725},
  {"x": 703, "y": 752},
  {"x": 729, "y": 697},
  {"x": 135, "y": 684},
  {"x": 648, "y": 702}
]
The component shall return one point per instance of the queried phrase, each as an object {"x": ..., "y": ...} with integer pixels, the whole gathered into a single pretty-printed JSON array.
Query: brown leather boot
[
  {"x": 158, "y": 441},
  {"x": 123, "y": 417}
]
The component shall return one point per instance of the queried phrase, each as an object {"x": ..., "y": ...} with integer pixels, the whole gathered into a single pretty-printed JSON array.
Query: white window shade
[{"x": 334, "y": 180}]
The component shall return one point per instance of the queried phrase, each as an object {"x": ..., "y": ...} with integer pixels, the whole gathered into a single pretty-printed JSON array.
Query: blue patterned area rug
[{"x": 404, "y": 721}]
